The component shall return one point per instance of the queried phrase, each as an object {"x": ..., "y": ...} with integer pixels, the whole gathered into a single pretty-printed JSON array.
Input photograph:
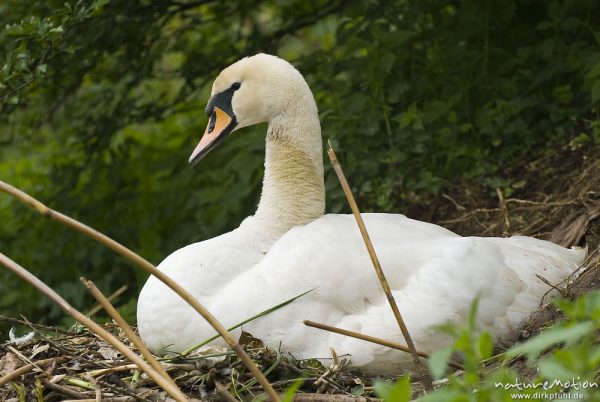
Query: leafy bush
[{"x": 566, "y": 357}]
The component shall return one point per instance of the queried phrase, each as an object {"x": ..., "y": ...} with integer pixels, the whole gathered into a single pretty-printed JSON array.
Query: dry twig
[
  {"x": 373, "y": 339},
  {"x": 100, "y": 372},
  {"x": 114, "y": 314},
  {"x": 504, "y": 209},
  {"x": 37, "y": 327},
  {"x": 224, "y": 393},
  {"x": 63, "y": 390},
  {"x": 386, "y": 287},
  {"x": 104, "y": 399},
  {"x": 547, "y": 282},
  {"x": 332, "y": 398},
  {"x": 110, "y": 298},
  {"x": 27, "y": 368}
]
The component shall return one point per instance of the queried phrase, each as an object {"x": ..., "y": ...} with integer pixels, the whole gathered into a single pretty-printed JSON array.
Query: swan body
[{"x": 289, "y": 247}]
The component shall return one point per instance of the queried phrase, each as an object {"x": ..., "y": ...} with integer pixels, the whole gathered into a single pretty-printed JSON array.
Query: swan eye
[{"x": 236, "y": 85}]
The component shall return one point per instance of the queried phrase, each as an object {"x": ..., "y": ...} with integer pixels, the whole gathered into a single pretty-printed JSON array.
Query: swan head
[{"x": 253, "y": 90}]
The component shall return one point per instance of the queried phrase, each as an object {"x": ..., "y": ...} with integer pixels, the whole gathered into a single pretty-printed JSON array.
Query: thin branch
[
  {"x": 224, "y": 393},
  {"x": 454, "y": 202},
  {"x": 114, "y": 314},
  {"x": 505, "y": 217},
  {"x": 384, "y": 283},
  {"x": 95, "y": 328},
  {"x": 110, "y": 399},
  {"x": 109, "y": 370},
  {"x": 24, "y": 358},
  {"x": 63, "y": 390},
  {"x": 27, "y": 368},
  {"x": 547, "y": 282},
  {"x": 147, "y": 266},
  {"x": 110, "y": 298},
  {"x": 373, "y": 339},
  {"x": 35, "y": 326},
  {"x": 301, "y": 397}
]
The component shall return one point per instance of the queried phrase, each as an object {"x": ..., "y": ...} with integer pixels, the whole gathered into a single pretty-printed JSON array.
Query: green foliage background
[{"x": 102, "y": 104}]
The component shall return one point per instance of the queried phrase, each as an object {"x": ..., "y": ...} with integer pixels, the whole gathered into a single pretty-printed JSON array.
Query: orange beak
[{"x": 219, "y": 126}]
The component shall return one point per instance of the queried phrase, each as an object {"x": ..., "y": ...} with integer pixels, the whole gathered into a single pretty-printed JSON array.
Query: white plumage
[{"x": 289, "y": 247}]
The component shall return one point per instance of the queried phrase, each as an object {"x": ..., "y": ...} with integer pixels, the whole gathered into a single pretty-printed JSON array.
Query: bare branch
[
  {"x": 114, "y": 314},
  {"x": 372, "y": 339},
  {"x": 384, "y": 283}
]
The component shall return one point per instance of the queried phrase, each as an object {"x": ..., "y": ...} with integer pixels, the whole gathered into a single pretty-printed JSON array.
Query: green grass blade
[{"x": 261, "y": 314}]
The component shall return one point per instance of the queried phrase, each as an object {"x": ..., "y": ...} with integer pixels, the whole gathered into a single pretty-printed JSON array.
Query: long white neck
[{"x": 293, "y": 190}]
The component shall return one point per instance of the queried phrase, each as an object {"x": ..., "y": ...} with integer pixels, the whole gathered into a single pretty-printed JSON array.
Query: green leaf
[
  {"x": 594, "y": 357},
  {"x": 247, "y": 320},
  {"x": 386, "y": 63},
  {"x": 289, "y": 393},
  {"x": 42, "y": 68},
  {"x": 473, "y": 311},
  {"x": 358, "y": 390},
  {"x": 397, "y": 38},
  {"x": 485, "y": 345},
  {"x": 398, "y": 392},
  {"x": 445, "y": 395},
  {"x": 534, "y": 346},
  {"x": 438, "y": 361},
  {"x": 553, "y": 369}
]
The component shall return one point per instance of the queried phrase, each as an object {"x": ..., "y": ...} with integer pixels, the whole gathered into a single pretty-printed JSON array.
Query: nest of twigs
[
  {"x": 77, "y": 365},
  {"x": 556, "y": 197}
]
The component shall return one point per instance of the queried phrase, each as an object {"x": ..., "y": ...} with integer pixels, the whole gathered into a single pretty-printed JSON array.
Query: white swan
[{"x": 289, "y": 247}]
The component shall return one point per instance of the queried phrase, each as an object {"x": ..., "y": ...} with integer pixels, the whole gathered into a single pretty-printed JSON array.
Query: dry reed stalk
[
  {"x": 100, "y": 372},
  {"x": 562, "y": 292},
  {"x": 224, "y": 393},
  {"x": 24, "y": 358},
  {"x": 332, "y": 398},
  {"x": 175, "y": 393},
  {"x": 505, "y": 216},
  {"x": 373, "y": 339},
  {"x": 110, "y": 298},
  {"x": 27, "y": 368},
  {"x": 34, "y": 327},
  {"x": 105, "y": 399},
  {"x": 63, "y": 390},
  {"x": 147, "y": 266},
  {"x": 427, "y": 382},
  {"x": 114, "y": 314}
]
